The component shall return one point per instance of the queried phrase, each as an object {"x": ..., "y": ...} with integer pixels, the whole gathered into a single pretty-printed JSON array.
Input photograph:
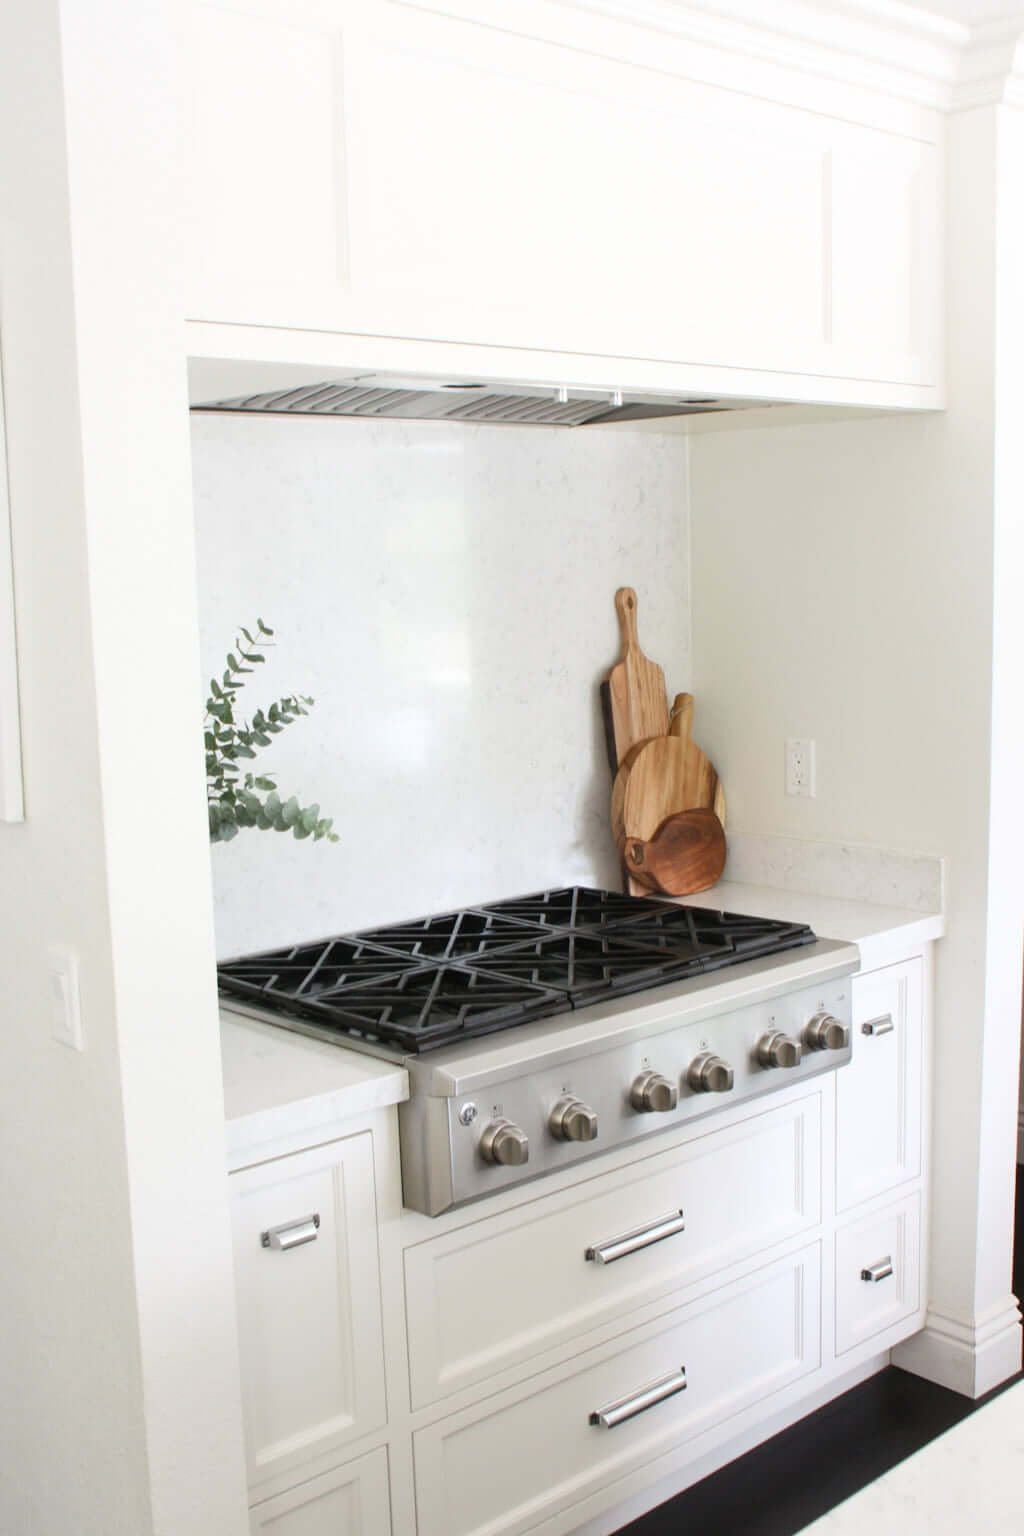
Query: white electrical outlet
[{"x": 799, "y": 767}]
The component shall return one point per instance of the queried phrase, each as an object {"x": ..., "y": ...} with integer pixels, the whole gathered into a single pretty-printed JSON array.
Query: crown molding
[{"x": 880, "y": 45}]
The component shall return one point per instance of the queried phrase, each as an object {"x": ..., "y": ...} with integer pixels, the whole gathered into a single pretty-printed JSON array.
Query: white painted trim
[
  {"x": 12, "y": 798},
  {"x": 970, "y": 1357},
  {"x": 877, "y": 44}
]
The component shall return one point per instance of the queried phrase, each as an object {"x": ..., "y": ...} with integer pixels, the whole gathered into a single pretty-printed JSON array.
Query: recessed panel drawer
[
  {"x": 499, "y": 1466},
  {"x": 509, "y": 1287},
  {"x": 878, "y": 1262},
  {"x": 878, "y": 1096},
  {"x": 309, "y": 1319}
]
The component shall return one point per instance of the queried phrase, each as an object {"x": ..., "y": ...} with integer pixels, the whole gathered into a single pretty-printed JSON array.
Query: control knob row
[{"x": 651, "y": 1093}]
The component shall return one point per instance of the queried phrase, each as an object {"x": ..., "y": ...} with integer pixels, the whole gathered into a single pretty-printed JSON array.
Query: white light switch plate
[{"x": 65, "y": 1007}]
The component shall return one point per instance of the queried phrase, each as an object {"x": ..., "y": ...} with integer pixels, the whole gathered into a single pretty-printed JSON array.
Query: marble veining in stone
[
  {"x": 445, "y": 593},
  {"x": 849, "y": 871}
]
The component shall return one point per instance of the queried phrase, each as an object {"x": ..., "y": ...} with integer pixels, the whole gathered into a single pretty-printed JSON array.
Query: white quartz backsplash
[{"x": 446, "y": 595}]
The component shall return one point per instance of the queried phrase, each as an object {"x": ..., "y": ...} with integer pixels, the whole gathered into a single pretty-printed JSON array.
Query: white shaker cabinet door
[
  {"x": 349, "y": 1501},
  {"x": 386, "y": 169},
  {"x": 878, "y": 1095},
  {"x": 309, "y": 1318}
]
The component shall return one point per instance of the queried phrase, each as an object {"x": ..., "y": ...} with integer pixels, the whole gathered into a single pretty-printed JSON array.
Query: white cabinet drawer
[
  {"x": 507, "y": 1288},
  {"x": 502, "y": 1465},
  {"x": 878, "y": 1095},
  {"x": 348, "y": 1501},
  {"x": 878, "y": 1265},
  {"x": 309, "y": 1318}
]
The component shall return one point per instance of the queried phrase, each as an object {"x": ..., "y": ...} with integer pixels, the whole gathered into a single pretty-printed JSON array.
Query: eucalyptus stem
[{"x": 236, "y": 798}]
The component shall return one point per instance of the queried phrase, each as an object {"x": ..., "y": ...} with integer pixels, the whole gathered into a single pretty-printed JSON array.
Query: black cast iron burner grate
[{"x": 419, "y": 985}]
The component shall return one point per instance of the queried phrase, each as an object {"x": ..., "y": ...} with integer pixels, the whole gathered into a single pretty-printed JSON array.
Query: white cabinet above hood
[{"x": 550, "y": 191}]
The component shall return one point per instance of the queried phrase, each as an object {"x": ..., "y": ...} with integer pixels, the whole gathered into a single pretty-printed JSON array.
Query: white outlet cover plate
[{"x": 800, "y": 766}]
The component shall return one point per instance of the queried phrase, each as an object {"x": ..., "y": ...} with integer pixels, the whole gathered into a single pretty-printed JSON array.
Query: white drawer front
[
  {"x": 878, "y": 1095},
  {"x": 308, "y": 1315},
  {"x": 503, "y": 1465},
  {"x": 348, "y": 1501},
  {"x": 878, "y": 1266},
  {"x": 506, "y": 1288}
]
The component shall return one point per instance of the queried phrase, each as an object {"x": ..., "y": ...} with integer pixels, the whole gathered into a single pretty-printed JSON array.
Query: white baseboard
[{"x": 967, "y": 1357}]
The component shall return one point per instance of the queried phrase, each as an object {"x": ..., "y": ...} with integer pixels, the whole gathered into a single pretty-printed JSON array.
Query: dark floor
[{"x": 781, "y": 1486}]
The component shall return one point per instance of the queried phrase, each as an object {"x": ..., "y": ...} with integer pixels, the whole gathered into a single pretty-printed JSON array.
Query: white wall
[
  {"x": 445, "y": 593},
  {"x": 120, "y": 1404},
  {"x": 851, "y": 584}
]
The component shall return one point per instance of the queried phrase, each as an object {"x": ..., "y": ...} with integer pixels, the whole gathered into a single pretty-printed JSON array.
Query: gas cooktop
[{"x": 415, "y": 986}]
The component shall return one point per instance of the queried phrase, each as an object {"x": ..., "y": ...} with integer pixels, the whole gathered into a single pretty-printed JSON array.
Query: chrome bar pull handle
[
  {"x": 880, "y": 1026},
  {"x": 292, "y": 1234},
  {"x": 640, "y": 1237},
  {"x": 880, "y": 1271},
  {"x": 628, "y": 1407}
]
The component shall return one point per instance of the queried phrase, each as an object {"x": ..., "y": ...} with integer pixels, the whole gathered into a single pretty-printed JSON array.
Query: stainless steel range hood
[{"x": 467, "y": 400}]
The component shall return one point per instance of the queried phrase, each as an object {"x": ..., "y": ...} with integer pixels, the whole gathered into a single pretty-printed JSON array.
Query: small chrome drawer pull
[
  {"x": 880, "y": 1271},
  {"x": 880, "y": 1026},
  {"x": 628, "y": 1407},
  {"x": 640, "y": 1237},
  {"x": 292, "y": 1234}
]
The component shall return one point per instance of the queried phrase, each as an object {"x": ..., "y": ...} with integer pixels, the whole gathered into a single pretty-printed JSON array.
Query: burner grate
[
  {"x": 425, "y": 1007},
  {"x": 578, "y": 907},
  {"x": 419, "y": 985},
  {"x": 451, "y": 936}
]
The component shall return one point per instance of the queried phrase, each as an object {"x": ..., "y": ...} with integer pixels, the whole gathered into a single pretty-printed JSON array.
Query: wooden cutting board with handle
[
  {"x": 633, "y": 696},
  {"x": 686, "y": 854},
  {"x": 658, "y": 778}
]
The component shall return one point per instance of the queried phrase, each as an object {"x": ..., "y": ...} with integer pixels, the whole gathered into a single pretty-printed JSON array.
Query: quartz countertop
[
  {"x": 278, "y": 1084},
  {"x": 970, "y": 1478},
  {"x": 880, "y": 933}
]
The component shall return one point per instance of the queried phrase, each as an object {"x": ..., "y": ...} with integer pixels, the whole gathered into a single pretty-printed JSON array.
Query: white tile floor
[{"x": 970, "y": 1480}]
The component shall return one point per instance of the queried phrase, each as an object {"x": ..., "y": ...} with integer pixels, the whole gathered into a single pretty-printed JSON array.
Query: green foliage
[{"x": 237, "y": 797}]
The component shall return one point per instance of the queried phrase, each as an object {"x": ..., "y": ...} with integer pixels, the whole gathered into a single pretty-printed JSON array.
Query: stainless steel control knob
[
  {"x": 572, "y": 1120},
  {"x": 502, "y": 1142},
  {"x": 708, "y": 1073},
  {"x": 778, "y": 1050},
  {"x": 825, "y": 1033},
  {"x": 653, "y": 1094}
]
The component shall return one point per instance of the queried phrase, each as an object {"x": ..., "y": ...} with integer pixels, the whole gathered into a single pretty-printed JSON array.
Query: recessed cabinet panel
[
  {"x": 505, "y": 1289},
  {"x": 368, "y": 166},
  {"x": 309, "y": 1315},
  {"x": 350, "y": 1501},
  {"x": 878, "y": 1095},
  {"x": 877, "y": 1273},
  {"x": 503, "y": 1465},
  {"x": 886, "y": 298},
  {"x": 267, "y": 133}
]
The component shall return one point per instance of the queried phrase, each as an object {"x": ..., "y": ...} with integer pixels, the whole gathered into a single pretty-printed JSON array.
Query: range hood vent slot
[{"x": 518, "y": 405}]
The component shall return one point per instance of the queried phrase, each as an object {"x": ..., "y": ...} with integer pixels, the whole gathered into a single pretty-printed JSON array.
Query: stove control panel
[{"x": 657, "y": 1069}]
